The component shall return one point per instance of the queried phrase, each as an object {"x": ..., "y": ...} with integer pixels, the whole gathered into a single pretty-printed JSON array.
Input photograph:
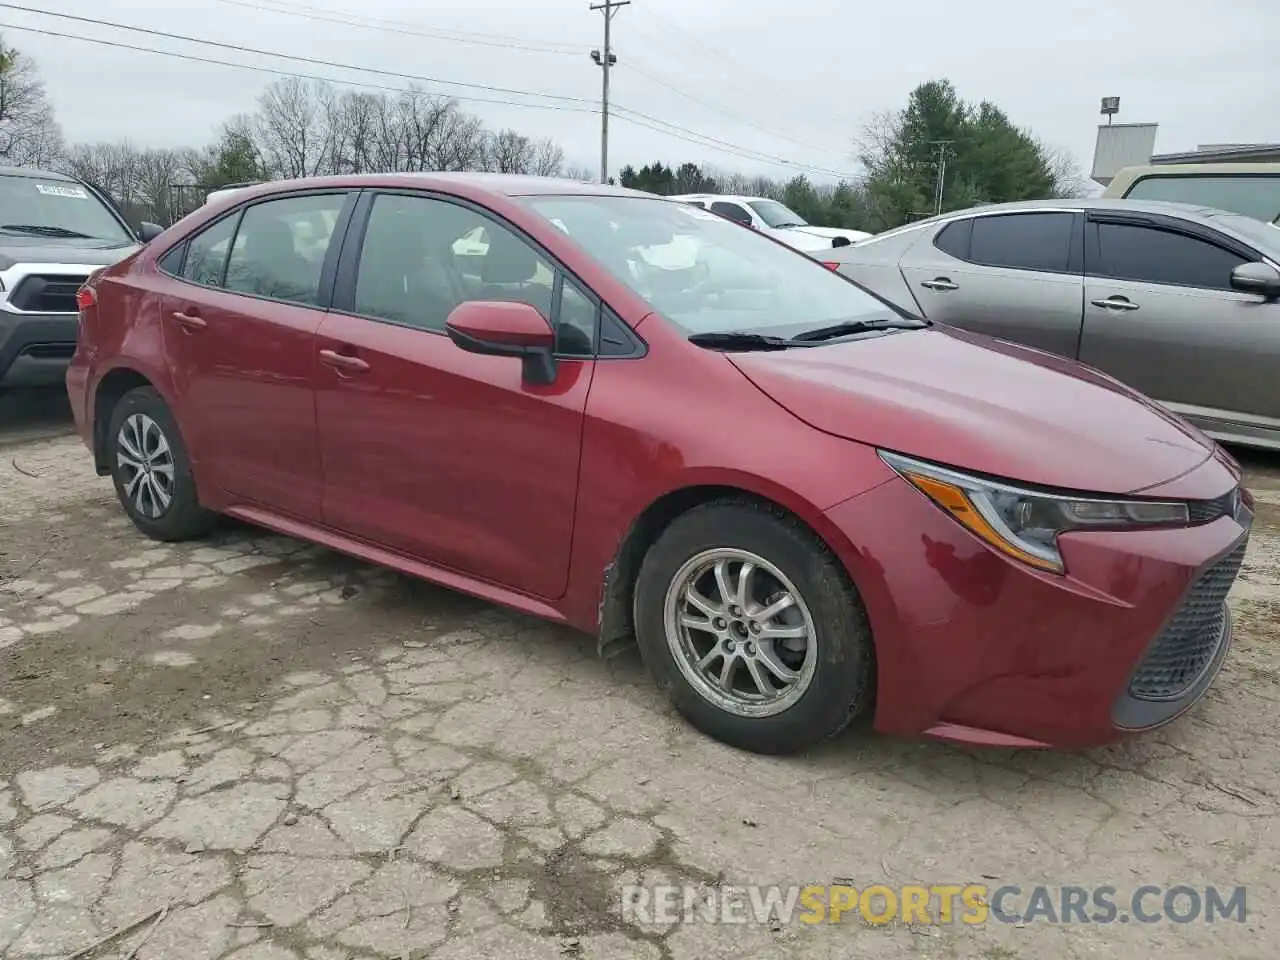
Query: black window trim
[
  {"x": 342, "y": 299},
  {"x": 328, "y": 271},
  {"x": 1165, "y": 224},
  {"x": 1075, "y": 254}
]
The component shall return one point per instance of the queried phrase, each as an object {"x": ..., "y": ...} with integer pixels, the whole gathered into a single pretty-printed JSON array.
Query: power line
[
  {"x": 404, "y": 28},
  {"x": 732, "y": 147},
  {"x": 257, "y": 68},
  {"x": 700, "y": 50},
  {"x": 721, "y": 108},
  {"x": 314, "y": 61},
  {"x": 703, "y": 140}
]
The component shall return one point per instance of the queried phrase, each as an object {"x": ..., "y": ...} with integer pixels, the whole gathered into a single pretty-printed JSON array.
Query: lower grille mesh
[{"x": 1179, "y": 655}]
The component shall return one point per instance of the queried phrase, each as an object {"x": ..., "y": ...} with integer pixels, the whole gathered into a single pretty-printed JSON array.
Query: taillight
[
  {"x": 831, "y": 264},
  {"x": 86, "y": 298}
]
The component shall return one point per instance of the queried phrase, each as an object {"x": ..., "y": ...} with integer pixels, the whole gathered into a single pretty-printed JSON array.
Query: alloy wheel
[
  {"x": 740, "y": 632},
  {"x": 146, "y": 465}
]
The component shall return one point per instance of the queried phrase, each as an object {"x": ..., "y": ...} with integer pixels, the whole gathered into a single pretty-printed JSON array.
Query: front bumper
[
  {"x": 974, "y": 647},
  {"x": 35, "y": 348}
]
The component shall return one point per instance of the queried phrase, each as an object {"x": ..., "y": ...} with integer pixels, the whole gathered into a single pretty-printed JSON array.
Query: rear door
[
  {"x": 443, "y": 455},
  {"x": 1161, "y": 316},
  {"x": 1017, "y": 276},
  {"x": 240, "y": 323}
]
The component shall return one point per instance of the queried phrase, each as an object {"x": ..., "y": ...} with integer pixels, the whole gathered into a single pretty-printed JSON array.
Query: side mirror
[
  {"x": 500, "y": 328},
  {"x": 149, "y": 231},
  {"x": 1260, "y": 278}
]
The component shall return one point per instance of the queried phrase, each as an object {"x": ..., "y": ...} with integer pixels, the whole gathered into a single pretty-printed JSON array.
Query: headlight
[{"x": 1025, "y": 524}]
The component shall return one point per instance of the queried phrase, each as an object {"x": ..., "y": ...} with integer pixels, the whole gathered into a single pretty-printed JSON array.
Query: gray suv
[{"x": 54, "y": 232}]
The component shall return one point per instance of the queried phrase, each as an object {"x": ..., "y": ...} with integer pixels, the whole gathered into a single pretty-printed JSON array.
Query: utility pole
[
  {"x": 605, "y": 60},
  {"x": 942, "y": 175}
]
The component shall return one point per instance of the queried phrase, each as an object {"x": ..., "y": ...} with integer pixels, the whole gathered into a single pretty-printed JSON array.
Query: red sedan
[{"x": 633, "y": 417}]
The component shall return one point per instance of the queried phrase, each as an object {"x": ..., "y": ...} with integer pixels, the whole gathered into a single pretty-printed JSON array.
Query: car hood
[
  {"x": 982, "y": 405},
  {"x": 96, "y": 253}
]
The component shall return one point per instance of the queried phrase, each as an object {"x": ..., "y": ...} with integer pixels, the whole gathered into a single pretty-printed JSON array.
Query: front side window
[
  {"x": 776, "y": 214},
  {"x": 1023, "y": 241},
  {"x": 423, "y": 257},
  {"x": 1256, "y": 196},
  {"x": 207, "y": 253},
  {"x": 281, "y": 245},
  {"x": 703, "y": 274},
  {"x": 1131, "y": 252},
  {"x": 61, "y": 209}
]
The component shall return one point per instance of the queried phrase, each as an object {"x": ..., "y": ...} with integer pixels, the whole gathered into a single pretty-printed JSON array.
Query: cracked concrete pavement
[{"x": 252, "y": 748}]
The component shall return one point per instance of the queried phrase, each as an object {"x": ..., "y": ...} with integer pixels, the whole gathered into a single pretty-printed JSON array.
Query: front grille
[
  {"x": 1179, "y": 655},
  {"x": 47, "y": 293},
  {"x": 1206, "y": 511}
]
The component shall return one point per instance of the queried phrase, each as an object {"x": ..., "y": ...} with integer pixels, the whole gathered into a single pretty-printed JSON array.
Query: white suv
[{"x": 771, "y": 217}]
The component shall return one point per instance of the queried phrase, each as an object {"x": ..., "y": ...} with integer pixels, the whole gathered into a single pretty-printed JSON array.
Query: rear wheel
[
  {"x": 752, "y": 626},
  {"x": 151, "y": 471}
]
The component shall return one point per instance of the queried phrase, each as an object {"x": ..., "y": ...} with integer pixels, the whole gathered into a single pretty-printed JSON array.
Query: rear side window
[
  {"x": 1255, "y": 196},
  {"x": 1023, "y": 241},
  {"x": 207, "y": 253},
  {"x": 1149, "y": 255},
  {"x": 954, "y": 239},
  {"x": 731, "y": 211},
  {"x": 281, "y": 245}
]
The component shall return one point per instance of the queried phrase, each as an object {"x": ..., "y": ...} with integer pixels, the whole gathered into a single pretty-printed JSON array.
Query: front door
[
  {"x": 1161, "y": 316},
  {"x": 239, "y": 331},
  {"x": 448, "y": 456},
  {"x": 1016, "y": 276}
]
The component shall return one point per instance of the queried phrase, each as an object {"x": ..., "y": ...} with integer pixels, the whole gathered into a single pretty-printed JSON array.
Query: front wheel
[{"x": 752, "y": 626}]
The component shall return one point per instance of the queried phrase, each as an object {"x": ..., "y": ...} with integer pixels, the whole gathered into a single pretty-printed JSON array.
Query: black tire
[
  {"x": 843, "y": 683},
  {"x": 182, "y": 518}
]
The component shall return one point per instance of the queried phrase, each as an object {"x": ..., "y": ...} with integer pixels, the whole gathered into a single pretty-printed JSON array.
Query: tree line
[
  {"x": 937, "y": 148},
  {"x": 304, "y": 128}
]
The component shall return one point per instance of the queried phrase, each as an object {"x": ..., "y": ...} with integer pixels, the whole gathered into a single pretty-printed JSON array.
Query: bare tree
[
  {"x": 576, "y": 171},
  {"x": 291, "y": 130},
  {"x": 1068, "y": 180},
  {"x": 158, "y": 172},
  {"x": 460, "y": 142},
  {"x": 29, "y": 135},
  {"x": 548, "y": 158},
  {"x": 509, "y": 152}
]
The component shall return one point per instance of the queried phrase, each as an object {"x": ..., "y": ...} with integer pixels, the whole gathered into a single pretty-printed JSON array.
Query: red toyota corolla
[{"x": 631, "y": 416}]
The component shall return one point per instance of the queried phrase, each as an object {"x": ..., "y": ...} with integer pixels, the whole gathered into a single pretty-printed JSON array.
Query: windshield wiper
[
  {"x": 45, "y": 231},
  {"x": 789, "y": 223},
  {"x": 736, "y": 340},
  {"x": 857, "y": 326}
]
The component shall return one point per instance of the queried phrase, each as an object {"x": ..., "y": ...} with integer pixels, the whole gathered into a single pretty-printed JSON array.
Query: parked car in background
[
  {"x": 776, "y": 219},
  {"x": 1179, "y": 302},
  {"x": 1250, "y": 189},
  {"x": 800, "y": 501},
  {"x": 215, "y": 195},
  {"x": 54, "y": 231}
]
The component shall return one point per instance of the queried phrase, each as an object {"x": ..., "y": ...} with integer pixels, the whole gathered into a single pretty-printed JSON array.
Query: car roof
[
  {"x": 1254, "y": 232},
  {"x": 35, "y": 174},
  {"x": 717, "y": 196},
  {"x": 497, "y": 184}
]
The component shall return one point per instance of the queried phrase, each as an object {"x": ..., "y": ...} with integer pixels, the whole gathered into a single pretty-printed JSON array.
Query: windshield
[
  {"x": 704, "y": 273},
  {"x": 775, "y": 214},
  {"x": 55, "y": 207}
]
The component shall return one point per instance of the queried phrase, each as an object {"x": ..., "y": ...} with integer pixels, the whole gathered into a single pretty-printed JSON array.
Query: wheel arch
[
  {"x": 110, "y": 387},
  {"x": 616, "y": 625}
]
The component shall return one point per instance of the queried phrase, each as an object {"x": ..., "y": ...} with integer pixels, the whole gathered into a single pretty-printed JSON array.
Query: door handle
[
  {"x": 343, "y": 361},
  {"x": 1115, "y": 303},
  {"x": 189, "y": 321},
  {"x": 941, "y": 283}
]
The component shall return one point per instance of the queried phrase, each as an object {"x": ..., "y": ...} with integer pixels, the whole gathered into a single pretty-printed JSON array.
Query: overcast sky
[{"x": 793, "y": 80}]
